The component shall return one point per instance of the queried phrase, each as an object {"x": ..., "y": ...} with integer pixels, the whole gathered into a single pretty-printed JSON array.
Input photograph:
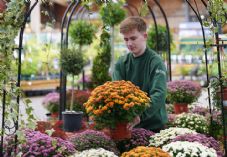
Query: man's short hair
[{"x": 133, "y": 22}]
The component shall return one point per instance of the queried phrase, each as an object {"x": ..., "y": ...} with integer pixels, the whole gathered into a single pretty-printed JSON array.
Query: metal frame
[
  {"x": 20, "y": 47},
  {"x": 217, "y": 45}
]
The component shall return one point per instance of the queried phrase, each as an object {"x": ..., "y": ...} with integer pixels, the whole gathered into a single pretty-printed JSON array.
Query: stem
[
  {"x": 112, "y": 50},
  {"x": 72, "y": 96}
]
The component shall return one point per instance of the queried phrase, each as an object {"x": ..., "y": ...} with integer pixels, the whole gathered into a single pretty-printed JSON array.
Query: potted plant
[
  {"x": 51, "y": 103},
  {"x": 181, "y": 93},
  {"x": 165, "y": 136},
  {"x": 145, "y": 151},
  {"x": 93, "y": 139},
  {"x": 114, "y": 104},
  {"x": 140, "y": 137},
  {"x": 72, "y": 62},
  {"x": 192, "y": 121}
]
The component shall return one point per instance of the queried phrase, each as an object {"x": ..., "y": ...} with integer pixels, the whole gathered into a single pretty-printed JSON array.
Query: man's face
[{"x": 135, "y": 41}]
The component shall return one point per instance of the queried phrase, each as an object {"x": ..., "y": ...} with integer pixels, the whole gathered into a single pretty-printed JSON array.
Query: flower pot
[
  {"x": 120, "y": 132},
  {"x": 72, "y": 121},
  {"x": 180, "y": 108},
  {"x": 2, "y": 6}
]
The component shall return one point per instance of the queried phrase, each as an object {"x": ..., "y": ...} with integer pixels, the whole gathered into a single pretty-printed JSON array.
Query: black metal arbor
[
  {"x": 4, "y": 126},
  {"x": 218, "y": 44},
  {"x": 71, "y": 9},
  {"x": 75, "y": 8}
]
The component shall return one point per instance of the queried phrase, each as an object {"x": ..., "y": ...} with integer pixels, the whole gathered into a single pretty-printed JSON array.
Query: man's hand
[{"x": 135, "y": 121}]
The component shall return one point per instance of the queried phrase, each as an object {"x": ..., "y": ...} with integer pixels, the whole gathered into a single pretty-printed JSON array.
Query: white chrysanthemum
[
  {"x": 192, "y": 121},
  {"x": 185, "y": 148},
  {"x": 100, "y": 152},
  {"x": 166, "y": 135}
]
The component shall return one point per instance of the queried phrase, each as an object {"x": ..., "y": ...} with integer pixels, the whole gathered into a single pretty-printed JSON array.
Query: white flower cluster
[
  {"x": 166, "y": 135},
  {"x": 192, "y": 121},
  {"x": 185, "y": 149},
  {"x": 99, "y": 152}
]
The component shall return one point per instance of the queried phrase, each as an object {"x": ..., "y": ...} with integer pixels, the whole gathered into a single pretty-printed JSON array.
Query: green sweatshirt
[{"x": 149, "y": 73}]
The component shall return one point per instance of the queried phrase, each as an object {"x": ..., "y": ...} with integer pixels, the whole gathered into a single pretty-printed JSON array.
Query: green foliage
[
  {"x": 100, "y": 69},
  {"x": 162, "y": 38},
  {"x": 39, "y": 58},
  {"x": 82, "y": 32},
  {"x": 217, "y": 12},
  {"x": 72, "y": 61},
  {"x": 112, "y": 13},
  {"x": 11, "y": 21}
]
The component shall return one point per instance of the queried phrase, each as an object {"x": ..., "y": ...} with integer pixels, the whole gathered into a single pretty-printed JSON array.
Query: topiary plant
[
  {"x": 112, "y": 13},
  {"x": 162, "y": 37},
  {"x": 72, "y": 62},
  {"x": 82, "y": 32},
  {"x": 100, "y": 68}
]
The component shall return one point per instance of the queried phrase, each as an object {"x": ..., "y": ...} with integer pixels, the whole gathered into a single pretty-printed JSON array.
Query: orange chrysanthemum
[
  {"x": 142, "y": 151},
  {"x": 117, "y": 101}
]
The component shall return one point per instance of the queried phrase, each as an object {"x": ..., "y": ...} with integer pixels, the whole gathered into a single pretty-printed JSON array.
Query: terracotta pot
[
  {"x": 180, "y": 108},
  {"x": 2, "y": 6},
  {"x": 120, "y": 132}
]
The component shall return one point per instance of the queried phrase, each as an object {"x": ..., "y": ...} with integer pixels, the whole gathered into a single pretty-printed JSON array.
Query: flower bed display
[
  {"x": 165, "y": 136},
  {"x": 142, "y": 151},
  {"x": 189, "y": 149},
  {"x": 192, "y": 121}
]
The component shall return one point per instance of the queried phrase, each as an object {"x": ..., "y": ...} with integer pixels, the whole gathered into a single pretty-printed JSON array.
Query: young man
[{"x": 144, "y": 68}]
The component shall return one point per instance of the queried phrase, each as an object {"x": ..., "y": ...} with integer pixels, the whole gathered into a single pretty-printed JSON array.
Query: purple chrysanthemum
[
  {"x": 39, "y": 145},
  {"x": 93, "y": 139}
]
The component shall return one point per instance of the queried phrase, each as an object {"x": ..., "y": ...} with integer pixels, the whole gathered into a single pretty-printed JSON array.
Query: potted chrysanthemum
[
  {"x": 145, "y": 151},
  {"x": 181, "y": 93},
  {"x": 165, "y": 136},
  {"x": 51, "y": 103},
  {"x": 114, "y": 104},
  {"x": 185, "y": 148},
  {"x": 192, "y": 121}
]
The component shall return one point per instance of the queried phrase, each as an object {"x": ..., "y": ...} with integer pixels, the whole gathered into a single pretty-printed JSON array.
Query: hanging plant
[
  {"x": 112, "y": 13},
  {"x": 216, "y": 12},
  {"x": 162, "y": 38},
  {"x": 82, "y": 32}
]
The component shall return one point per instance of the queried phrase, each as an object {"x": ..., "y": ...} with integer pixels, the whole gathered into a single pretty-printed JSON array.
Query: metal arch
[
  {"x": 155, "y": 24},
  {"x": 219, "y": 67},
  {"x": 168, "y": 39},
  {"x": 205, "y": 51},
  {"x": 20, "y": 47},
  {"x": 63, "y": 80}
]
